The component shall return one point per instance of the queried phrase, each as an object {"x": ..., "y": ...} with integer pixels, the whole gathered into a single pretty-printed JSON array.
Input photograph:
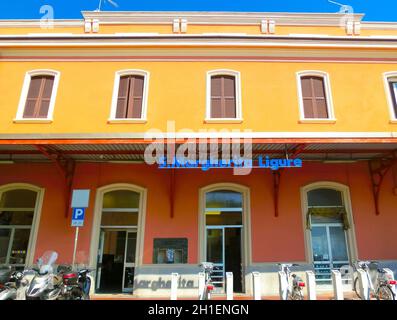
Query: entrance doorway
[
  {"x": 224, "y": 237},
  {"x": 328, "y": 223},
  {"x": 116, "y": 260},
  {"x": 117, "y": 244}
]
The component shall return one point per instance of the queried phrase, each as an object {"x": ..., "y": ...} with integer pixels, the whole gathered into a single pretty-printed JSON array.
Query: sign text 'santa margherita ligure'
[{"x": 205, "y": 165}]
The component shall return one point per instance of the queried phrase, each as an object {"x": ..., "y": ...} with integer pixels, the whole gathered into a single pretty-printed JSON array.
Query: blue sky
[{"x": 375, "y": 10}]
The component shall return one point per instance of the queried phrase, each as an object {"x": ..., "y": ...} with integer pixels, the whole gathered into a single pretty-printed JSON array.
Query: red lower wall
[{"x": 273, "y": 239}]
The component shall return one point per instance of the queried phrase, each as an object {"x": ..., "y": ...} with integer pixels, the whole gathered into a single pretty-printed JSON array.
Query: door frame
[
  {"x": 246, "y": 247},
  {"x": 350, "y": 233},
  {"x": 223, "y": 228},
  {"x": 96, "y": 226},
  {"x": 128, "y": 264}
]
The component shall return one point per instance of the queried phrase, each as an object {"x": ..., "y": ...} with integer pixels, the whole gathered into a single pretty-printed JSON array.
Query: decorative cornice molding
[
  {"x": 379, "y": 25},
  {"x": 197, "y": 40},
  {"x": 39, "y": 23},
  {"x": 219, "y": 18}
]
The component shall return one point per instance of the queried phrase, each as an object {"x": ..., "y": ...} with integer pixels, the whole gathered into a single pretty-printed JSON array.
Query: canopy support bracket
[
  {"x": 66, "y": 168},
  {"x": 378, "y": 169}
]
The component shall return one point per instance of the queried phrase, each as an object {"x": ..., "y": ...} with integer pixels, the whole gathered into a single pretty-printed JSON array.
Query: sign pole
[
  {"x": 80, "y": 201},
  {"x": 75, "y": 246}
]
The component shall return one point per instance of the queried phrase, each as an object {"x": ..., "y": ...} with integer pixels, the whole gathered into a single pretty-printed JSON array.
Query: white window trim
[
  {"x": 25, "y": 89},
  {"x": 351, "y": 234},
  {"x": 328, "y": 93},
  {"x": 36, "y": 218},
  {"x": 112, "y": 119},
  {"x": 386, "y": 77},
  {"x": 239, "y": 115}
]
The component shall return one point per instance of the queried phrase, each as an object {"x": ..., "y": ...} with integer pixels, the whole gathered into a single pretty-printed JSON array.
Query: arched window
[
  {"x": 315, "y": 96},
  {"x": 120, "y": 208},
  {"x": 130, "y": 96},
  {"x": 17, "y": 211},
  {"x": 224, "y": 207},
  {"x": 328, "y": 223},
  {"x": 223, "y": 95},
  {"x": 38, "y": 96},
  {"x": 391, "y": 90}
]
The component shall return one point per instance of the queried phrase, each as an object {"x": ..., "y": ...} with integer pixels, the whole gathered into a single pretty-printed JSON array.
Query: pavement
[{"x": 322, "y": 296}]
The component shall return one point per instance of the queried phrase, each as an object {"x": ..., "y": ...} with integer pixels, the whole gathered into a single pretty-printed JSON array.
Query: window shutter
[
  {"x": 314, "y": 98},
  {"x": 122, "y": 97},
  {"x": 48, "y": 84},
  {"x": 229, "y": 95},
  {"x": 136, "y": 97},
  {"x": 39, "y": 97},
  {"x": 216, "y": 97},
  {"x": 33, "y": 95},
  {"x": 393, "y": 92},
  {"x": 223, "y": 96},
  {"x": 130, "y": 98}
]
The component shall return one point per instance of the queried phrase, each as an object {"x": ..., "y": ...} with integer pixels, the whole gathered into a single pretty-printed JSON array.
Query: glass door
[
  {"x": 216, "y": 255},
  {"x": 129, "y": 262},
  {"x": 233, "y": 256},
  {"x": 329, "y": 250},
  {"x": 224, "y": 251}
]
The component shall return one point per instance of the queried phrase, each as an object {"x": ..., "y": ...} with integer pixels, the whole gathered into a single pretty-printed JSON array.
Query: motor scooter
[
  {"x": 45, "y": 285},
  {"x": 15, "y": 288},
  {"x": 77, "y": 285}
]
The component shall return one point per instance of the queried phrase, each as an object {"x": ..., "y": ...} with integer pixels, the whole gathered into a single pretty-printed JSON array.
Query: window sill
[
  {"x": 318, "y": 121},
  {"x": 33, "y": 120},
  {"x": 126, "y": 121},
  {"x": 223, "y": 121},
  {"x": 393, "y": 121}
]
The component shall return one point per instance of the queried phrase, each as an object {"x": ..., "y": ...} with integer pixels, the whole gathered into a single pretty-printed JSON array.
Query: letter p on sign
[{"x": 78, "y": 217}]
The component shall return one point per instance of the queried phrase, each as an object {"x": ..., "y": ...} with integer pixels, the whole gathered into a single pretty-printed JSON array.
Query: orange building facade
[{"x": 84, "y": 101}]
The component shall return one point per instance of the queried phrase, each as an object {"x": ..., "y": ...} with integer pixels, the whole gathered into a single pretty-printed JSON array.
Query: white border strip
[{"x": 204, "y": 135}]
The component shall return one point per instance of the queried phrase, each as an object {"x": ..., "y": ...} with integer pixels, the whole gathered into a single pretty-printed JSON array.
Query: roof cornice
[
  {"x": 196, "y": 40},
  {"x": 20, "y": 23},
  {"x": 213, "y": 18}
]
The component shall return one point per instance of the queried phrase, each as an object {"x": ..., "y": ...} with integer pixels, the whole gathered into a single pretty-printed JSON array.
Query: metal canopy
[{"x": 135, "y": 151}]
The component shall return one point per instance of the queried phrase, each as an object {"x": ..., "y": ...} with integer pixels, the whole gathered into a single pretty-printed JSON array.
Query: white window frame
[
  {"x": 237, "y": 76},
  {"x": 350, "y": 234},
  {"x": 386, "y": 80},
  {"x": 328, "y": 94},
  {"x": 129, "y": 72},
  {"x": 24, "y": 95},
  {"x": 36, "y": 218}
]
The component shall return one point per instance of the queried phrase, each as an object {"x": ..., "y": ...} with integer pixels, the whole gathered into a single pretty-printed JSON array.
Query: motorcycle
[
  {"x": 15, "y": 288},
  {"x": 76, "y": 285},
  {"x": 5, "y": 278},
  {"x": 45, "y": 285}
]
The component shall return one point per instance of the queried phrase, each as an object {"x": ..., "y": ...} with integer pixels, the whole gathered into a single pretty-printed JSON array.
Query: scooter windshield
[{"x": 47, "y": 261}]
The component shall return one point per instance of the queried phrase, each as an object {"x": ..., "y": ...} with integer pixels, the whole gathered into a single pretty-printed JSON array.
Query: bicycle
[
  {"x": 294, "y": 290},
  {"x": 382, "y": 290},
  {"x": 207, "y": 267}
]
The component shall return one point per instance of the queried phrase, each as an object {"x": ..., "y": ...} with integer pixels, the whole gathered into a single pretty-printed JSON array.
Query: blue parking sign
[{"x": 78, "y": 217}]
